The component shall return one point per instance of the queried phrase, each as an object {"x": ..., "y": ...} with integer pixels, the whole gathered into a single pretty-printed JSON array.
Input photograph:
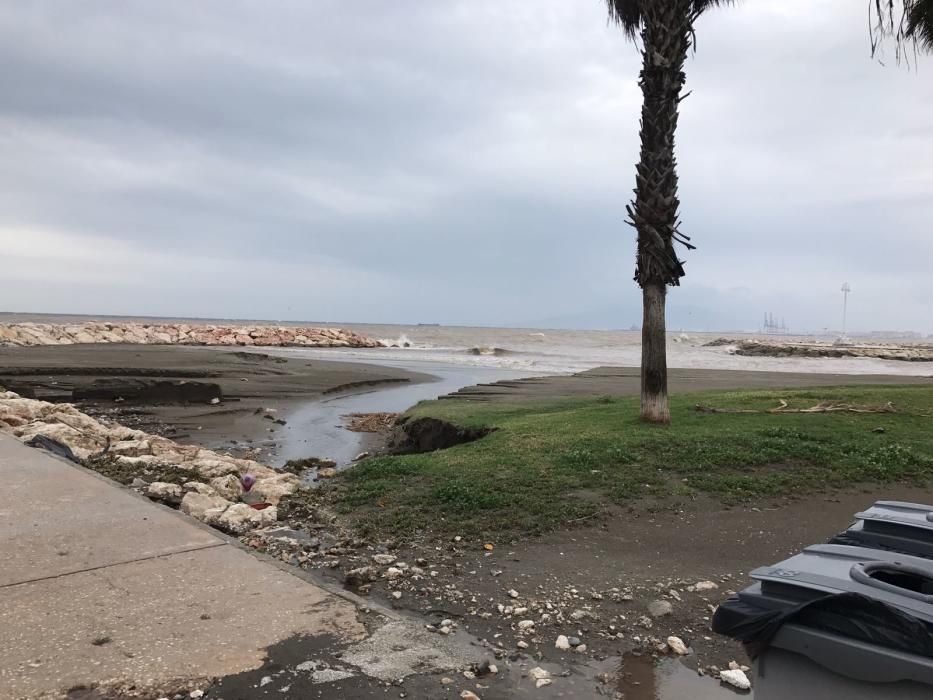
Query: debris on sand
[{"x": 370, "y": 422}]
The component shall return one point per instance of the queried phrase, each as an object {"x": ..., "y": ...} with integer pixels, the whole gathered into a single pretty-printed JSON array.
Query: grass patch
[{"x": 549, "y": 464}]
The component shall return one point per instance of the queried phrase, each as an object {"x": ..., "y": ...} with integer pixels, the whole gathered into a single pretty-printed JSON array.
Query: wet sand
[
  {"x": 626, "y": 381},
  {"x": 251, "y": 381}
]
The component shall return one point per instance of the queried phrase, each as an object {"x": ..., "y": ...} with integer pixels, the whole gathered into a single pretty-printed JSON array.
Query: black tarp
[{"x": 849, "y": 615}]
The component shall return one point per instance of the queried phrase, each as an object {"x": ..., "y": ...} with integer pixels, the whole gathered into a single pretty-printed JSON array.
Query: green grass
[{"x": 549, "y": 464}]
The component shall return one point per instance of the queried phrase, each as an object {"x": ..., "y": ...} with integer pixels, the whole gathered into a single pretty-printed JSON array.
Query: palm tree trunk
[
  {"x": 666, "y": 31},
  {"x": 654, "y": 407}
]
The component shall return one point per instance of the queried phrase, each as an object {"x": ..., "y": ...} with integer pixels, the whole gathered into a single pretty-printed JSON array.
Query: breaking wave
[{"x": 483, "y": 350}]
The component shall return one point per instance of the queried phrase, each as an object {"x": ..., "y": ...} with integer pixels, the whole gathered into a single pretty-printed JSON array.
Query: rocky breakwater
[
  {"x": 234, "y": 495},
  {"x": 180, "y": 334},
  {"x": 789, "y": 348}
]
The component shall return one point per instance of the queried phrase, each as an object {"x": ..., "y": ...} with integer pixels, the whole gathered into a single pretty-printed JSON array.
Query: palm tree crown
[{"x": 629, "y": 15}]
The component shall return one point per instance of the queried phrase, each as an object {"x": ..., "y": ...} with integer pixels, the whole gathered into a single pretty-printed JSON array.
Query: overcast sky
[{"x": 452, "y": 161}]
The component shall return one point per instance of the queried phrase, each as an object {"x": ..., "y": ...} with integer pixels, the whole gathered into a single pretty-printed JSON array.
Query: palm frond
[
  {"x": 628, "y": 14},
  {"x": 909, "y": 23},
  {"x": 918, "y": 23}
]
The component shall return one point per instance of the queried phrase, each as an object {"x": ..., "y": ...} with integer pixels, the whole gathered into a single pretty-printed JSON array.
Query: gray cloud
[{"x": 461, "y": 161}]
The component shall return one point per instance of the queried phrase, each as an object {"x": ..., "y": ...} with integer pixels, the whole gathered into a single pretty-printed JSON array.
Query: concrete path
[{"x": 99, "y": 585}]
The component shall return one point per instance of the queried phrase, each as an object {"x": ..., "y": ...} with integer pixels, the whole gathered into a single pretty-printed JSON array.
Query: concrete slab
[
  {"x": 57, "y": 520},
  {"x": 197, "y": 614},
  {"x": 148, "y": 609}
]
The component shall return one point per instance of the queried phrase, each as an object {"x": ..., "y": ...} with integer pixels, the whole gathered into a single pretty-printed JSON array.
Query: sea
[
  {"x": 542, "y": 351},
  {"x": 537, "y": 350}
]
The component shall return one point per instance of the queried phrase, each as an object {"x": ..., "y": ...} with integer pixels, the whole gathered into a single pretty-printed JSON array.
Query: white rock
[
  {"x": 197, "y": 505},
  {"x": 162, "y": 491},
  {"x": 195, "y": 694},
  {"x": 513, "y": 593},
  {"x": 677, "y": 646},
  {"x": 469, "y": 695},
  {"x": 521, "y": 644},
  {"x": 526, "y": 625},
  {"x": 131, "y": 448},
  {"x": 542, "y": 682},
  {"x": 273, "y": 489},
  {"x": 239, "y": 518},
  {"x": 562, "y": 643},
  {"x": 384, "y": 559},
  {"x": 200, "y": 488},
  {"x": 392, "y": 573},
  {"x": 736, "y": 678},
  {"x": 538, "y": 673},
  {"x": 701, "y": 586},
  {"x": 228, "y": 486}
]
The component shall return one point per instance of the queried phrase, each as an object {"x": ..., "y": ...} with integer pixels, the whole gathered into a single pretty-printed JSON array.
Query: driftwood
[{"x": 823, "y": 407}]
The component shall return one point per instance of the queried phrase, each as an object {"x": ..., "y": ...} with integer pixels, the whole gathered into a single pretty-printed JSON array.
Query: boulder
[
  {"x": 131, "y": 448},
  {"x": 162, "y": 491},
  {"x": 198, "y": 487},
  {"x": 240, "y": 518},
  {"x": 228, "y": 486},
  {"x": 199, "y": 506},
  {"x": 274, "y": 489}
]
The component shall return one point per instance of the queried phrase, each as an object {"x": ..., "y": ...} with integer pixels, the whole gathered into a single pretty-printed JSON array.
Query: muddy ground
[{"x": 168, "y": 390}]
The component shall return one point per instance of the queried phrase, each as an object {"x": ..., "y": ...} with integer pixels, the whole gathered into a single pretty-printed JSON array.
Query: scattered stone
[
  {"x": 701, "y": 586},
  {"x": 326, "y": 473},
  {"x": 735, "y": 678},
  {"x": 677, "y": 646},
  {"x": 384, "y": 559},
  {"x": 513, "y": 593},
  {"x": 525, "y": 625},
  {"x": 360, "y": 577},
  {"x": 540, "y": 676},
  {"x": 562, "y": 643},
  {"x": 645, "y": 621},
  {"x": 660, "y": 608},
  {"x": 521, "y": 644},
  {"x": 361, "y": 456},
  {"x": 574, "y": 641},
  {"x": 469, "y": 695}
]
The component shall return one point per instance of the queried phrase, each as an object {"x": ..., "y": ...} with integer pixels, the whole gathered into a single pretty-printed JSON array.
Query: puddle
[{"x": 644, "y": 678}]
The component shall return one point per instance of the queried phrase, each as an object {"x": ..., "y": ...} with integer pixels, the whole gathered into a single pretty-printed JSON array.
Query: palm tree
[
  {"x": 666, "y": 31},
  {"x": 910, "y": 22}
]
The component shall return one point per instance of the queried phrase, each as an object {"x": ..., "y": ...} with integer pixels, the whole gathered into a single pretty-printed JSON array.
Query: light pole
[{"x": 845, "y": 305}]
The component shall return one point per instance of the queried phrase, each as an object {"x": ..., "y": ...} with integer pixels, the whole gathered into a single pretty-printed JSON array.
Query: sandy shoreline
[
  {"x": 250, "y": 381},
  {"x": 307, "y": 397}
]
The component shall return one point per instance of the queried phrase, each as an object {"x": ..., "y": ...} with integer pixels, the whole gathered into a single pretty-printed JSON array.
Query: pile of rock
[
  {"x": 211, "y": 494},
  {"x": 181, "y": 334},
  {"x": 791, "y": 348}
]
